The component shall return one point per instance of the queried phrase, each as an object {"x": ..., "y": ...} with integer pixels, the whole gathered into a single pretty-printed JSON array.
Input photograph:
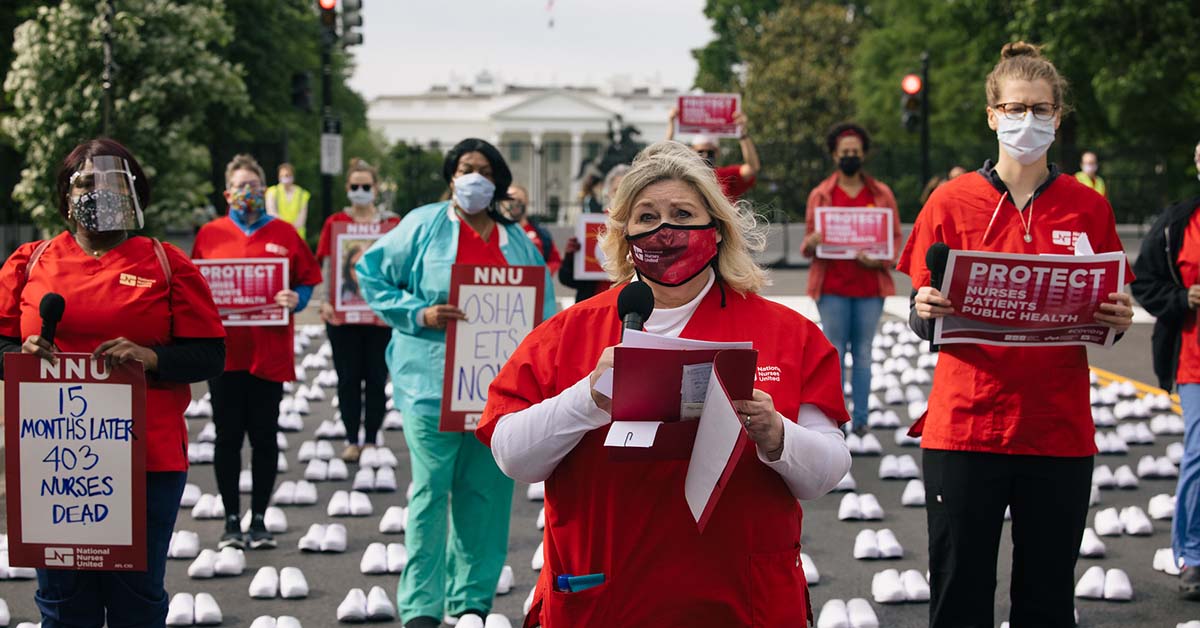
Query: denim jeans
[
  {"x": 850, "y": 323},
  {"x": 1185, "y": 530},
  {"x": 125, "y": 599}
]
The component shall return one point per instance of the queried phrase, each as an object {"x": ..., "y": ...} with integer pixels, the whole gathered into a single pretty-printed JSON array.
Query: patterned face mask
[{"x": 249, "y": 202}]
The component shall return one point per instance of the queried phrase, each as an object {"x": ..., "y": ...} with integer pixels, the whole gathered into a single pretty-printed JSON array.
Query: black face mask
[{"x": 850, "y": 165}]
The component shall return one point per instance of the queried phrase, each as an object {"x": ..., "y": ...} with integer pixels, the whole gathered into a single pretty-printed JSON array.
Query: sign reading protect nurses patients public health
[
  {"x": 1028, "y": 300},
  {"x": 76, "y": 463},
  {"x": 502, "y": 304},
  {"x": 711, "y": 114},
  {"x": 847, "y": 230},
  {"x": 350, "y": 241},
  {"x": 244, "y": 289}
]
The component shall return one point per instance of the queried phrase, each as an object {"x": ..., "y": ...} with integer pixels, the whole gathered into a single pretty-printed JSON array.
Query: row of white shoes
[
  {"x": 494, "y": 620},
  {"x": 329, "y": 538},
  {"x": 295, "y": 493},
  {"x": 315, "y": 361},
  {"x": 186, "y": 609},
  {"x": 902, "y": 467},
  {"x": 1109, "y": 443},
  {"x": 380, "y": 559},
  {"x": 296, "y": 405},
  {"x": 1167, "y": 425},
  {"x": 1150, "y": 467},
  {"x": 283, "y": 621},
  {"x": 315, "y": 449},
  {"x": 290, "y": 422},
  {"x": 856, "y": 613},
  {"x": 381, "y": 480},
  {"x": 326, "y": 471},
  {"x": 199, "y": 408},
  {"x": 883, "y": 419},
  {"x": 288, "y": 583},
  {"x": 311, "y": 393},
  {"x": 359, "y": 607},
  {"x": 201, "y": 453},
  {"x": 349, "y": 504},
  {"x": 865, "y": 445},
  {"x": 1106, "y": 478},
  {"x": 872, "y": 545},
  {"x": 230, "y": 561},
  {"x": 330, "y": 429},
  {"x": 326, "y": 379},
  {"x": 8, "y": 572},
  {"x": 1135, "y": 434},
  {"x": 1131, "y": 521},
  {"x": 892, "y": 587},
  {"x": 208, "y": 506},
  {"x": 273, "y": 518},
  {"x": 860, "y": 507},
  {"x": 1097, "y": 584}
]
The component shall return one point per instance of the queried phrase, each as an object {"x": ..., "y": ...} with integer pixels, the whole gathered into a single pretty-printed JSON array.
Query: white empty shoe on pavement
[
  {"x": 339, "y": 504},
  {"x": 1147, "y": 467},
  {"x": 811, "y": 574},
  {"x": 907, "y": 467},
  {"x": 889, "y": 469},
  {"x": 914, "y": 494},
  {"x": 469, "y": 621},
  {"x": 265, "y": 584},
  {"x": 374, "y": 559},
  {"x": 287, "y": 621},
  {"x": 1091, "y": 584},
  {"x": 889, "y": 546},
  {"x": 306, "y": 493},
  {"x": 408, "y": 493},
  {"x": 536, "y": 492},
  {"x": 1175, "y": 452},
  {"x": 504, "y": 584},
  {"x": 861, "y": 614},
  {"x": 338, "y": 470},
  {"x": 1117, "y": 587},
  {"x": 311, "y": 541},
  {"x": 833, "y": 615},
  {"x": 292, "y": 584},
  {"x": 335, "y": 538},
  {"x": 393, "y": 520},
  {"x": 866, "y": 545},
  {"x": 360, "y": 505},
  {"x": 538, "y": 557},
  {"x": 886, "y": 587},
  {"x": 317, "y": 470},
  {"x": 208, "y": 613},
  {"x": 850, "y": 508},
  {"x": 496, "y": 620},
  {"x": 1161, "y": 507},
  {"x": 281, "y": 441},
  {"x": 379, "y": 605},
  {"x": 1091, "y": 546},
  {"x": 281, "y": 463},
  {"x": 871, "y": 445},
  {"x": 1107, "y": 522},
  {"x": 245, "y": 481},
  {"x": 275, "y": 520},
  {"x": 203, "y": 508},
  {"x": 1094, "y": 496},
  {"x": 263, "y": 621},
  {"x": 1165, "y": 468},
  {"x": 1102, "y": 476},
  {"x": 230, "y": 562},
  {"x": 854, "y": 444},
  {"x": 916, "y": 589},
  {"x": 1125, "y": 478},
  {"x": 204, "y": 566},
  {"x": 385, "y": 458},
  {"x": 308, "y": 451},
  {"x": 871, "y": 510},
  {"x": 353, "y": 608},
  {"x": 385, "y": 480},
  {"x": 1135, "y": 522},
  {"x": 181, "y": 611},
  {"x": 364, "y": 479},
  {"x": 397, "y": 559},
  {"x": 191, "y": 493},
  {"x": 1164, "y": 561},
  {"x": 184, "y": 544},
  {"x": 368, "y": 459},
  {"x": 541, "y": 519},
  {"x": 285, "y": 494},
  {"x": 847, "y": 483}
]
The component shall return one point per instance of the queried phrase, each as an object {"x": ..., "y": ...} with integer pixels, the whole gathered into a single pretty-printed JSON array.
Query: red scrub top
[
  {"x": 123, "y": 293},
  {"x": 475, "y": 251},
  {"x": 732, "y": 183},
  {"x": 630, "y": 520},
  {"x": 266, "y": 352},
  {"x": 1010, "y": 400},
  {"x": 325, "y": 243},
  {"x": 1189, "y": 271},
  {"x": 847, "y": 277}
]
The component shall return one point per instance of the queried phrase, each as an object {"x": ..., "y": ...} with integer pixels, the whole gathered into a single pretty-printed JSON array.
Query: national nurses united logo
[
  {"x": 1066, "y": 238},
  {"x": 127, "y": 279}
]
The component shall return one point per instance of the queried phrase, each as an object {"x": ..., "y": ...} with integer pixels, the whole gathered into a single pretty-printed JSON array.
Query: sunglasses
[{"x": 366, "y": 187}]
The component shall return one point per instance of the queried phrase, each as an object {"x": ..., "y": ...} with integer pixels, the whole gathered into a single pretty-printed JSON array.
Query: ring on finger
[{"x": 746, "y": 420}]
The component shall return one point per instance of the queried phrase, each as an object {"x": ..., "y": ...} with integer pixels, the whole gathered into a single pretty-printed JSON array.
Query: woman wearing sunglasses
[{"x": 359, "y": 350}]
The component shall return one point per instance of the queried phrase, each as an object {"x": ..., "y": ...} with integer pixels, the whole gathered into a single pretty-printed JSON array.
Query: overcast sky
[{"x": 412, "y": 44}]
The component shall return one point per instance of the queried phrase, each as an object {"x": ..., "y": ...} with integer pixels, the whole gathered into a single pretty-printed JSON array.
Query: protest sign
[
  {"x": 75, "y": 439},
  {"x": 350, "y": 241},
  {"x": 847, "y": 230},
  {"x": 589, "y": 261},
  {"x": 502, "y": 304},
  {"x": 710, "y": 114},
  {"x": 244, "y": 289},
  {"x": 1028, "y": 300}
]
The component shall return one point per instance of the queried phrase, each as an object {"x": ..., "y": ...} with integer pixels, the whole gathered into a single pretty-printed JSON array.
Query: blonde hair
[
  {"x": 359, "y": 165},
  {"x": 244, "y": 161},
  {"x": 1024, "y": 62},
  {"x": 742, "y": 233}
]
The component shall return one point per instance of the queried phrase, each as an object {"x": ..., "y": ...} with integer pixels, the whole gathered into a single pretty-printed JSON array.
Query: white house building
[{"x": 544, "y": 132}]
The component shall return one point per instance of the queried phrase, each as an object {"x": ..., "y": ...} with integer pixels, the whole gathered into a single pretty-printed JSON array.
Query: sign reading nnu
[{"x": 502, "y": 305}]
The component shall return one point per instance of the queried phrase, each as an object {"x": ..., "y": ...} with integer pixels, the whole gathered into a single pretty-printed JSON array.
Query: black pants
[
  {"x": 966, "y": 493},
  {"x": 245, "y": 405},
  {"x": 360, "y": 356}
]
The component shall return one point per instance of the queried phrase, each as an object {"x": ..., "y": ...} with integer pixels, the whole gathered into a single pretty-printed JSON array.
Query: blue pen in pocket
[{"x": 574, "y": 584}]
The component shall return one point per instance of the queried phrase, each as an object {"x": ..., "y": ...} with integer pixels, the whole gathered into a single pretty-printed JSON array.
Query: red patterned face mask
[{"x": 673, "y": 255}]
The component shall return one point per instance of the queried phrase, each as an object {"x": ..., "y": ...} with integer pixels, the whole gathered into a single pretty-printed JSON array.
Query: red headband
[{"x": 849, "y": 133}]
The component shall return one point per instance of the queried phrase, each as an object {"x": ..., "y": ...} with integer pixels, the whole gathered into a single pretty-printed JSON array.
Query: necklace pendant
[{"x": 1028, "y": 238}]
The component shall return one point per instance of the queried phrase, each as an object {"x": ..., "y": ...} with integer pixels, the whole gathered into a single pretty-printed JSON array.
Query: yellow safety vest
[
  {"x": 1096, "y": 184},
  {"x": 289, "y": 208}
]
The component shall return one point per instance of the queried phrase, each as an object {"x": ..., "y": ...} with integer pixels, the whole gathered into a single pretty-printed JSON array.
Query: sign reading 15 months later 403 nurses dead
[
  {"x": 502, "y": 305},
  {"x": 76, "y": 463},
  {"x": 1028, "y": 300}
]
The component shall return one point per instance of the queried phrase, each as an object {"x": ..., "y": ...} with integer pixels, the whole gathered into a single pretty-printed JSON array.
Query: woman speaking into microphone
[
  {"x": 1009, "y": 426},
  {"x": 627, "y": 524}
]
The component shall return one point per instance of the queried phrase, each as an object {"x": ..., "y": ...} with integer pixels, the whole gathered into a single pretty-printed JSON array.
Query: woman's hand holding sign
[
  {"x": 121, "y": 350},
  {"x": 930, "y": 304},
  {"x": 1118, "y": 314},
  {"x": 40, "y": 347},
  {"x": 438, "y": 316}
]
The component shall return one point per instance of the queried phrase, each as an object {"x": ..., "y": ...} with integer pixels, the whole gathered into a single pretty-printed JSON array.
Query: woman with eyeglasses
[
  {"x": 1009, "y": 426},
  {"x": 258, "y": 359},
  {"x": 359, "y": 350}
]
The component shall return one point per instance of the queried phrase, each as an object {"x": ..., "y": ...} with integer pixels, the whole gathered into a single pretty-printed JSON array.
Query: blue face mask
[{"x": 473, "y": 192}]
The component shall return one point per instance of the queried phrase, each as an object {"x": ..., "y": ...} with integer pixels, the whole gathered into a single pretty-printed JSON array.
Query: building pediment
[{"x": 554, "y": 105}]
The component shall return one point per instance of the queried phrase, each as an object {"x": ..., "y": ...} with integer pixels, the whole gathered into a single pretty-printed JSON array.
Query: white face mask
[
  {"x": 361, "y": 197},
  {"x": 1025, "y": 140},
  {"x": 1089, "y": 170},
  {"x": 473, "y": 192}
]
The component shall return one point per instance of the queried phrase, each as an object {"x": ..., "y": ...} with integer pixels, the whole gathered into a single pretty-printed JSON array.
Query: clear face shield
[{"x": 103, "y": 197}]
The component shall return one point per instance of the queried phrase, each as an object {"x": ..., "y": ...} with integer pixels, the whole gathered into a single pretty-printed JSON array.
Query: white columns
[
  {"x": 536, "y": 183},
  {"x": 568, "y": 210}
]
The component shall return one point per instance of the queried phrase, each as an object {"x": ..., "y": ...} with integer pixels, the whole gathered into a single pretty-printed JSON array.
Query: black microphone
[
  {"x": 51, "y": 309},
  {"x": 634, "y": 305},
  {"x": 935, "y": 260}
]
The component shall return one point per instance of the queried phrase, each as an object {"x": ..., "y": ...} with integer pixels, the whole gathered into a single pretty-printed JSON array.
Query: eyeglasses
[
  {"x": 247, "y": 187},
  {"x": 1016, "y": 110},
  {"x": 365, "y": 187}
]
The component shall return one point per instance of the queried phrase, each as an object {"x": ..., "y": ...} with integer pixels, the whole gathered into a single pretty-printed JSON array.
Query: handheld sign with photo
[
  {"x": 1007, "y": 299},
  {"x": 847, "y": 230},
  {"x": 244, "y": 289},
  {"x": 350, "y": 241},
  {"x": 711, "y": 114},
  {"x": 503, "y": 304},
  {"x": 589, "y": 261},
  {"x": 75, "y": 439}
]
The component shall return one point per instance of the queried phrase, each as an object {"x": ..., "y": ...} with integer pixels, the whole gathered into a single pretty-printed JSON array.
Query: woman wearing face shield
[
  {"x": 405, "y": 277},
  {"x": 164, "y": 318},
  {"x": 625, "y": 525},
  {"x": 1009, "y": 426}
]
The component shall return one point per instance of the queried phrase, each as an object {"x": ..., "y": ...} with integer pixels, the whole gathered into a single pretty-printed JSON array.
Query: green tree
[
  {"x": 412, "y": 176},
  {"x": 720, "y": 59},
  {"x": 12, "y": 14},
  {"x": 170, "y": 73}
]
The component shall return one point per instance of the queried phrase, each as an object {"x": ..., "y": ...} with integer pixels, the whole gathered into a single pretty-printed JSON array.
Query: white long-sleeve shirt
[{"x": 529, "y": 444}]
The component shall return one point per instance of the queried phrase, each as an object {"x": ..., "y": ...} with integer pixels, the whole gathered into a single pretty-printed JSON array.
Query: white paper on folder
[
  {"x": 716, "y": 437},
  {"x": 646, "y": 340},
  {"x": 1083, "y": 246},
  {"x": 632, "y": 433}
]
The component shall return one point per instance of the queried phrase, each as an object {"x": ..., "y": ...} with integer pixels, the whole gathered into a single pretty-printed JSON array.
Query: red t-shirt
[
  {"x": 102, "y": 305},
  {"x": 325, "y": 243},
  {"x": 732, "y": 183},
  {"x": 1010, "y": 400},
  {"x": 265, "y": 352},
  {"x": 846, "y": 277},
  {"x": 1189, "y": 271},
  {"x": 630, "y": 520},
  {"x": 475, "y": 251},
  {"x": 554, "y": 261}
]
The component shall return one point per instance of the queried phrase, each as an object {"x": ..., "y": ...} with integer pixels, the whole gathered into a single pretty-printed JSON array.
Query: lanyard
[{"x": 1027, "y": 225}]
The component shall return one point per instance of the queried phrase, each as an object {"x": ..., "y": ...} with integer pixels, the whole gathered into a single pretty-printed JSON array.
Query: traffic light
[
  {"x": 352, "y": 19},
  {"x": 912, "y": 92},
  {"x": 328, "y": 14}
]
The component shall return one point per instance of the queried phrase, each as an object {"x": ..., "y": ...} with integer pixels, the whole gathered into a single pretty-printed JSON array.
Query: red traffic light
[
  {"x": 327, "y": 5},
  {"x": 911, "y": 84}
]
